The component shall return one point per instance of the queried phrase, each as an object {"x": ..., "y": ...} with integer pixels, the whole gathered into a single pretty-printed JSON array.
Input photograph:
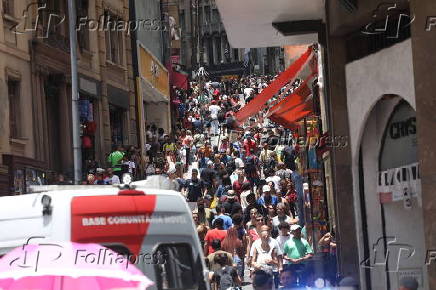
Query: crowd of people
[{"x": 244, "y": 180}]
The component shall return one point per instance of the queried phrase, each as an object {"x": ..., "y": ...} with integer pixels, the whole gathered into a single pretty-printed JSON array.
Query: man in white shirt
[
  {"x": 283, "y": 237},
  {"x": 214, "y": 109},
  {"x": 112, "y": 178}
]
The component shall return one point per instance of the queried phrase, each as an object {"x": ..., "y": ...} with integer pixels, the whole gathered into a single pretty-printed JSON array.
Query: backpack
[{"x": 225, "y": 278}]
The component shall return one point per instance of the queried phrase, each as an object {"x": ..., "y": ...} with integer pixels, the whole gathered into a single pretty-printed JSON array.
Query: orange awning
[
  {"x": 298, "y": 97},
  {"x": 293, "y": 108},
  {"x": 258, "y": 103}
]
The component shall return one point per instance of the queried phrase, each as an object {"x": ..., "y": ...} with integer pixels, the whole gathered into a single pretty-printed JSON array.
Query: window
[
  {"x": 179, "y": 270},
  {"x": 207, "y": 13},
  {"x": 236, "y": 54},
  {"x": 49, "y": 16},
  {"x": 218, "y": 49},
  {"x": 14, "y": 108},
  {"x": 8, "y": 7},
  {"x": 114, "y": 39},
  {"x": 83, "y": 33}
]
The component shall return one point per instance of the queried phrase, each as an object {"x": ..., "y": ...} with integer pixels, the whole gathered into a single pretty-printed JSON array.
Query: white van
[{"x": 151, "y": 227}]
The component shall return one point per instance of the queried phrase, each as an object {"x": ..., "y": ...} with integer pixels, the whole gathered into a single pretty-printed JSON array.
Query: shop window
[
  {"x": 116, "y": 121},
  {"x": 8, "y": 7},
  {"x": 14, "y": 108},
  {"x": 179, "y": 270},
  {"x": 83, "y": 33},
  {"x": 88, "y": 126},
  {"x": 114, "y": 39}
]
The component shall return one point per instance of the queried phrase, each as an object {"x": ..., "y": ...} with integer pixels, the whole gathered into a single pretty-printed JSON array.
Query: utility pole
[{"x": 77, "y": 150}]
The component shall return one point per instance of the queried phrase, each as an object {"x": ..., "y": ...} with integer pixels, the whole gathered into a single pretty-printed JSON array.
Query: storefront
[
  {"x": 24, "y": 172},
  {"x": 153, "y": 93},
  {"x": 386, "y": 172},
  {"x": 89, "y": 104},
  {"x": 118, "y": 107}
]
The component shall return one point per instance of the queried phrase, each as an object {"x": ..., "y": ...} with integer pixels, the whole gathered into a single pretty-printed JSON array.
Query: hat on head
[
  {"x": 209, "y": 162},
  {"x": 295, "y": 227},
  {"x": 231, "y": 193},
  {"x": 266, "y": 188},
  {"x": 100, "y": 170}
]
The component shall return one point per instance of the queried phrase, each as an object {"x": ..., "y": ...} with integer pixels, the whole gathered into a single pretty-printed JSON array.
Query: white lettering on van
[
  {"x": 94, "y": 221},
  {"x": 139, "y": 219}
]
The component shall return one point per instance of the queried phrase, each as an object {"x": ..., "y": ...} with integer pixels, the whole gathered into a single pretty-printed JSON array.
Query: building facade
[
  {"x": 151, "y": 74},
  {"x": 204, "y": 42},
  {"x": 106, "y": 89},
  {"x": 377, "y": 77}
]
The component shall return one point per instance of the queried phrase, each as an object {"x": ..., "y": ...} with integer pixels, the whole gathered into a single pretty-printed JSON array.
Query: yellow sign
[{"x": 153, "y": 71}]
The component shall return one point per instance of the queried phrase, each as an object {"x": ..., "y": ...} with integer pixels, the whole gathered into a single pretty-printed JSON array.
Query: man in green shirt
[
  {"x": 297, "y": 251},
  {"x": 115, "y": 159}
]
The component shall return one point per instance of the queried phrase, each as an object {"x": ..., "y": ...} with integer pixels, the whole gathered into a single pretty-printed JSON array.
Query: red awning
[
  {"x": 293, "y": 108},
  {"x": 179, "y": 80},
  {"x": 298, "y": 97},
  {"x": 258, "y": 103}
]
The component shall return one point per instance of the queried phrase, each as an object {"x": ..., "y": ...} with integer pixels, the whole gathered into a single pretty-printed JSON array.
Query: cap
[
  {"x": 266, "y": 188},
  {"x": 210, "y": 162},
  {"x": 295, "y": 227},
  {"x": 231, "y": 192},
  {"x": 99, "y": 170}
]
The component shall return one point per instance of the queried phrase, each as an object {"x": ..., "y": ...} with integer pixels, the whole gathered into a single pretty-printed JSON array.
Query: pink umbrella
[{"x": 68, "y": 266}]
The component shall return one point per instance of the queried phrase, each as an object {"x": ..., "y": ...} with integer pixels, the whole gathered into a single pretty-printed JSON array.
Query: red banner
[{"x": 258, "y": 103}]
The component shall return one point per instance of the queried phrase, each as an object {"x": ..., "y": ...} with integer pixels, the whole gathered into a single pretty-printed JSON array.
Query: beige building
[{"x": 35, "y": 81}]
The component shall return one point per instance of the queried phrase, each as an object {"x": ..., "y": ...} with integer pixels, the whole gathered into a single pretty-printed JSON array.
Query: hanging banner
[
  {"x": 397, "y": 184},
  {"x": 258, "y": 103}
]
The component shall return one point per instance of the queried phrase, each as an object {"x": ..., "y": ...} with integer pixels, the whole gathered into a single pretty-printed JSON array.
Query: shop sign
[
  {"x": 88, "y": 86},
  {"x": 398, "y": 177},
  {"x": 153, "y": 72},
  {"x": 400, "y": 183}
]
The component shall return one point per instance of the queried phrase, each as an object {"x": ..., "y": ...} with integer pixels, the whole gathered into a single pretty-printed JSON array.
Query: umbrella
[{"x": 68, "y": 266}]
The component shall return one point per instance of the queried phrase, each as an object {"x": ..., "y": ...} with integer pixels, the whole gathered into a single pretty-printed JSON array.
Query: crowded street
[
  {"x": 217, "y": 145},
  {"x": 243, "y": 183}
]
